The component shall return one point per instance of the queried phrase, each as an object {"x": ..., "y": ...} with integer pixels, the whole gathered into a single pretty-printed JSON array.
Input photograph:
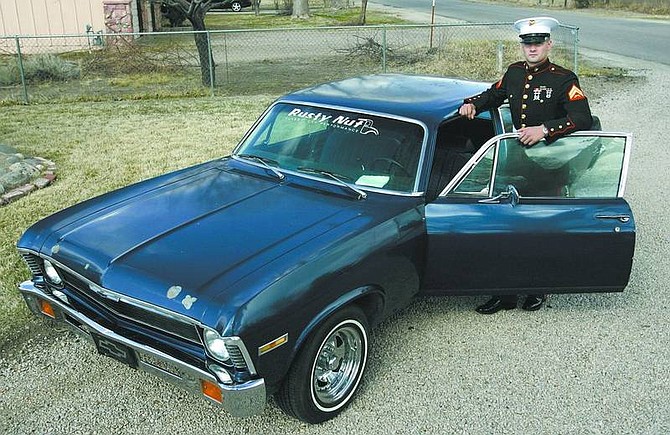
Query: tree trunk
[
  {"x": 300, "y": 9},
  {"x": 204, "y": 51},
  {"x": 195, "y": 11},
  {"x": 364, "y": 8}
]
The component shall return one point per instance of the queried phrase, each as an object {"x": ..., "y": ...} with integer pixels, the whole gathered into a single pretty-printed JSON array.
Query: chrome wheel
[
  {"x": 326, "y": 372},
  {"x": 339, "y": 365}
]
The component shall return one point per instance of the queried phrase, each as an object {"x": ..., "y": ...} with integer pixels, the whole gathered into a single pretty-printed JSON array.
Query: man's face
[{"x": 535, "y": 54}]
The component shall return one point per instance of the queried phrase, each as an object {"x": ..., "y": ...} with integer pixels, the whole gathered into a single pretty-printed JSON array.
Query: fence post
[
  {"x": 384, "y": 48},
  {"x": 211, "y": 63},
  {"x": 21, "y": 71},
  {"x": 576, "y": 50},
  {"x": 499, "y": 57}
]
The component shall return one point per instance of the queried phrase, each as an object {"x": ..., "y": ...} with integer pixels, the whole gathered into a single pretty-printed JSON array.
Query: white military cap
[{"x": 535, "y": 30}]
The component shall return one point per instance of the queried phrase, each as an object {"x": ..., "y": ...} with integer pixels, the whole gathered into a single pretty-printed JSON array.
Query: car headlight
[
  {"x": 52, "y": 274},
  {"x": 216, "y": 345}
]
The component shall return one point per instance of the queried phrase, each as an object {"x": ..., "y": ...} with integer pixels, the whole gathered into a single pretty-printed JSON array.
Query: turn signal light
[
  {"x": 47, "y": 309},
  {"x": 211, "y": 390}
]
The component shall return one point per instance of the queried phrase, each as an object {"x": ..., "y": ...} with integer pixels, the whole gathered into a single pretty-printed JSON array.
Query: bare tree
[
  {"x": 195, "y": 11},
  {"x": 300, "y": 9}
]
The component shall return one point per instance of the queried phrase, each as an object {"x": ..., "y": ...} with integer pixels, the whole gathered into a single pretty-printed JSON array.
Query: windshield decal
[{"x": 342, "y": 122}]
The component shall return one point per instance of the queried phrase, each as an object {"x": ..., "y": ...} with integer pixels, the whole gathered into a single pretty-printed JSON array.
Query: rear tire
[
  {"x": 328, "y": 369},
  {"x": 236, "y": 6}
]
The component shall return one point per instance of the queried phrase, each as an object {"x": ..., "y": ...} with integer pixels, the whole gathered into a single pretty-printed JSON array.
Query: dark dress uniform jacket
[{"x": 545, "y": 94}]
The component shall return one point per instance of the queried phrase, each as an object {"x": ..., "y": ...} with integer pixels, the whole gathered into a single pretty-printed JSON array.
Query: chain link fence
[{"x": 98, "y": 66}]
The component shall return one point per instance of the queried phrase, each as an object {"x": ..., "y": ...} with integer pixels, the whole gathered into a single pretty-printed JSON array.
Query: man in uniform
[{"x": 546, "y": 102}]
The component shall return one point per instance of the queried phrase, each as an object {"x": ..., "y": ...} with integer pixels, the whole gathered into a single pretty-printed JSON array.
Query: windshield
[{"x": 360, "y": 149}]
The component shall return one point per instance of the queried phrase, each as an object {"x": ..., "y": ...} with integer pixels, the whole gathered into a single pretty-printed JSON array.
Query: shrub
[
  {"x": 47, "y": 67},
  {"x": 39, "y": 68}
]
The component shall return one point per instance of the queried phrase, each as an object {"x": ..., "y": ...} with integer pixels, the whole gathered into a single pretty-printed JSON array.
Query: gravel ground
[{"x": 585, "y": 364}]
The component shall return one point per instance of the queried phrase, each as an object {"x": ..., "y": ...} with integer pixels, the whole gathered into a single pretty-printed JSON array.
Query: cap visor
[{"x": 534, "y": 39}]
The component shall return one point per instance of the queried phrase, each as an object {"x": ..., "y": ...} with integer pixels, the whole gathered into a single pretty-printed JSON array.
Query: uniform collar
[{"x": 538, "y": 68}]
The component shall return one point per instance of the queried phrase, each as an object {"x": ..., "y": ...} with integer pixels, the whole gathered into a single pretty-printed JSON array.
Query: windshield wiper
[
  {"x": 337, "y": 177},
  {"x": 265, "y": 162}
]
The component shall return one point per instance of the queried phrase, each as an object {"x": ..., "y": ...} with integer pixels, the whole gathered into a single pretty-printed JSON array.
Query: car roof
[{"x": 429, "y": 99}]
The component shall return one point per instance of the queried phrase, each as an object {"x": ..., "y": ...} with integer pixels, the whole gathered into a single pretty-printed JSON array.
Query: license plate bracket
[{"x": 116, "y": 350}]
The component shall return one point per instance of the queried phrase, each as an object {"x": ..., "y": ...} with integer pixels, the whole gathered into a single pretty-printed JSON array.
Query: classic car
[{"x": 261, "y": 273}]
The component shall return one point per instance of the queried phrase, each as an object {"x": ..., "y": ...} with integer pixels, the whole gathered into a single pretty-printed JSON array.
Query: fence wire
[{"x": 271, "y": 61}]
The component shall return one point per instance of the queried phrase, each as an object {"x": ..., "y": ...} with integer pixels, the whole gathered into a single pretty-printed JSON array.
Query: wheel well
[
  {"x": 372, "y": 305},
  {"x": 369, "y": 299}
]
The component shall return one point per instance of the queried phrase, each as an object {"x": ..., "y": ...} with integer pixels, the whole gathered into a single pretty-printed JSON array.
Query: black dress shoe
[
  {"x": 496, "y": 304},
  {"x": 534, "y": 302}
]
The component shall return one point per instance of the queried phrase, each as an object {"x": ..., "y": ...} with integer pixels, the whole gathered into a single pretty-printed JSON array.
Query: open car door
[{"x": 545, "y": 219}]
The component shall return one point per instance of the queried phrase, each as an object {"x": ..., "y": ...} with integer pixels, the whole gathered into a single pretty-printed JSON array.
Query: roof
[{"x": 427, "y": 98}]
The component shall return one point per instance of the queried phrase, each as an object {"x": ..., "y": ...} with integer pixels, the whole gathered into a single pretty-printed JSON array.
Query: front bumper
[{"x": 239, "y": 400}]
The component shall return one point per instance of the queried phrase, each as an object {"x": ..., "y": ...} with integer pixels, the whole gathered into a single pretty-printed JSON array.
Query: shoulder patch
[{"x": 575, "y": 94}]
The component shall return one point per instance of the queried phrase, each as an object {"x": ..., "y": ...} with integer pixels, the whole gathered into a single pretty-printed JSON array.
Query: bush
[
  {"x": 39, "y": 68},
  {"x": 582, "y": 4},
  {"x": 48, "y": 67}
]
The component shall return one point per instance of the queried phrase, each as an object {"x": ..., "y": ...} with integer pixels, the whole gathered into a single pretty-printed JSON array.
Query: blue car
[{"x": 261, "y": 273}]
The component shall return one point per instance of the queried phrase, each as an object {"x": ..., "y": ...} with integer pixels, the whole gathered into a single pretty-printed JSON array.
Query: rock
[
  {"x": 41, "y": 183},
  {"x": 13, "y": 179},
  {"x": 17, "y": 171}
]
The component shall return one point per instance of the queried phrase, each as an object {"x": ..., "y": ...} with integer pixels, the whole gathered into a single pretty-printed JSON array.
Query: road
[{"x": 637, "y": 38}]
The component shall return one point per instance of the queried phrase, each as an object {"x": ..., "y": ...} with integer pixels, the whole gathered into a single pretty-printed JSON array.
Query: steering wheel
[{"x": 391, "y": 163}]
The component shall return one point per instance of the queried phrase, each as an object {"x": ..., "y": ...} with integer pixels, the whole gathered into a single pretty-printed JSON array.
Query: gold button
[
  {"x": 530, "y": 77},
  {"x": 527, "y": 86},
  {"x": 523, "y": 116},
  {"x": 525, "y": 96},
  {"x": 535, "y": 70},
  {"x": 567, "y": 123},
  {"x": 523, "y": 125},
  {"x": 560, "y": 126},
  {"x": 553, "y": 69},
  {"x": 523, "y": 106},
  {"x": 552, "y": 129}
]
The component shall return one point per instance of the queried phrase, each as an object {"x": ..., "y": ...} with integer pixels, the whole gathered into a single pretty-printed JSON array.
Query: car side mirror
[{"x": 511, "y": 195}]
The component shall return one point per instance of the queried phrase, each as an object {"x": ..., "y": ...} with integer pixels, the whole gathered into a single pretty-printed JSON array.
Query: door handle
[{"x": 623, "y": 218}]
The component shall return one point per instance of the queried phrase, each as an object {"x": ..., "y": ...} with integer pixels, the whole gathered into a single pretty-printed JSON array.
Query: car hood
[{"x": 186, "y": 239}]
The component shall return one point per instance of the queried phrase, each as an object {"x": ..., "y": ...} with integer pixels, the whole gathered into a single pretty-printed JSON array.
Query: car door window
[
  {"x": 506, "y": 118},
  {"x": 581, "y": 165},
  {"x": 478, "y": 180}
]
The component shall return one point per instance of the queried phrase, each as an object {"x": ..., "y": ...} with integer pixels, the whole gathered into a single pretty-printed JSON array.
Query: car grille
[
  {"x": 119, "y": 309},
  {"x": 112, "y": 309},
  {"x": 237, "y": 357},
  {"x": 33, "y": 262}
]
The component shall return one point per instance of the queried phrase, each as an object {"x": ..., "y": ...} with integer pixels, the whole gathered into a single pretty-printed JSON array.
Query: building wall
[{"x": 61, "y": 17}]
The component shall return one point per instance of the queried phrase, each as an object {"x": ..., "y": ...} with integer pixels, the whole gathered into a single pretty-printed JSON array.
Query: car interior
[{"x": 457, "y": 141}]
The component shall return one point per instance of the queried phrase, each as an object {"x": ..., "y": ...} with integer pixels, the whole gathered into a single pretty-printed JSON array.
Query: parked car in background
[
  {"x": 262, "y": 272},
  {"x": 177, "y": 18},
  {"x": 234, "y": 5}
]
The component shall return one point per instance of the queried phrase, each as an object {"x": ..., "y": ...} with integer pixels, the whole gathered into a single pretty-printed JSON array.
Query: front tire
[
  {"x": 328, "y": 369},
  {"x": 236, "y": 6}
]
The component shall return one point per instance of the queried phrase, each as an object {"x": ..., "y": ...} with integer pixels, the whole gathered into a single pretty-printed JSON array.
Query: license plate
[{"x": 116, "y": 350}]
